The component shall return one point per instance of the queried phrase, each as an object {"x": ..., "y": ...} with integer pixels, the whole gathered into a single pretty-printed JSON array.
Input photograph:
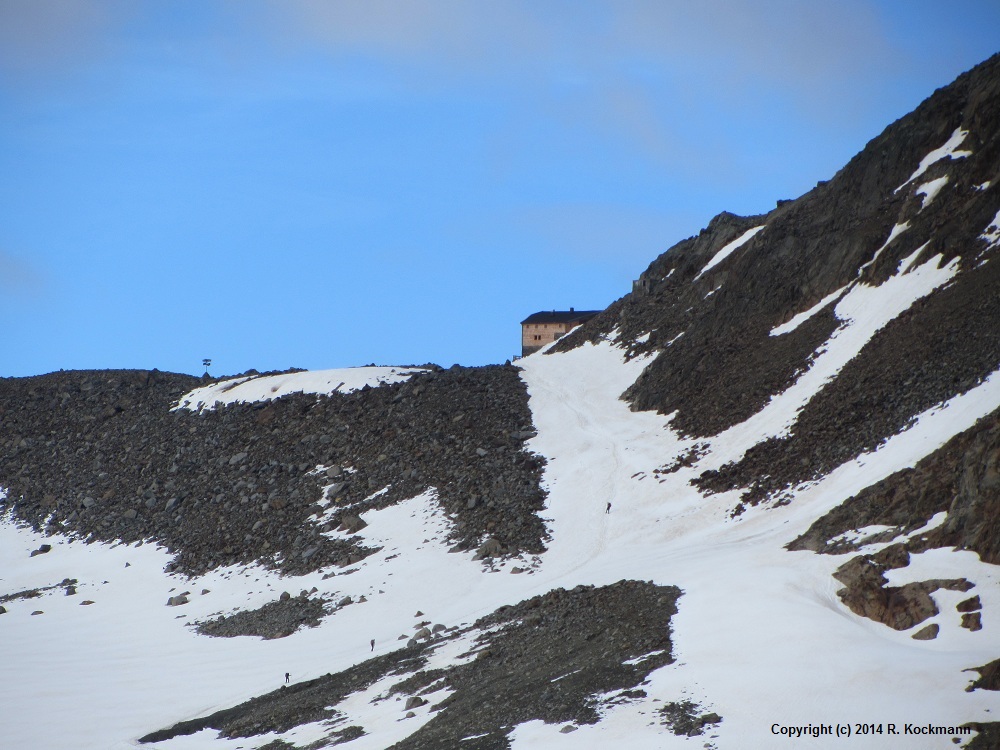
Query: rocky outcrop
[
  {"x": 548, "y": 658},
  {"x": 685, "y": 718},
  {"x": 944, "y": 345},
  {"x": 960, "y": 479},
  {"x": 900, "y": 607},
  {"x": 277, "y": 619}
]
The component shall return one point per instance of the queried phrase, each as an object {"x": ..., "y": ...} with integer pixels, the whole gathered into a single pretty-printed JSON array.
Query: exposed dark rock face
[
  {"x": 548, "y": 658},
  {"x": 944, "y": 345},
  {"x": 961, "y": 478},
  {"x": 101, "y": 455},
  {"x": 712, "y": 378}
]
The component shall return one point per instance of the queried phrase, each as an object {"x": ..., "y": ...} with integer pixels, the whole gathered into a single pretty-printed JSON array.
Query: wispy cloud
[
  {"x": 19, "y": 277},
  {"x": 623, "y": 66},
  {"x": 600, "y": 232},
  {"x": 451, "y": 33},
  {"x": 41, "y": 37},
  {"x": 629, "y": 69},
  {"x": 788, "y": 43}
]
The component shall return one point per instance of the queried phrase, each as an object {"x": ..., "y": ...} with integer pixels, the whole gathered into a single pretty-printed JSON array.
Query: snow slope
[
  {"x": 760, "y": 637},
  {"x": 728, "y": 250},
  {"x": 949, "y": 150}
]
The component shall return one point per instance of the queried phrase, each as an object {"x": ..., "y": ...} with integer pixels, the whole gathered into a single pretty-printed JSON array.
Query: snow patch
[
  {"x": 802, "y": 317},
  {"x": 947, "y": 151},
  {"x": 267, "y": 387},
  {"x": 897, "y": 230},
  {"x": 992, "y": 233},
  {"x": 909, "y": 260},
  {"x": 856, "y": 535},
  {"x": 930, "y": 190},
  {"x": 640, "y": 659},
  {"x": 729, "y": 249}
]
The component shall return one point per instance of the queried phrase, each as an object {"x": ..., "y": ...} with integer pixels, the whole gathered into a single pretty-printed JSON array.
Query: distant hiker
[
  {"x": 609, "y": 507},
  {"x": 373, "y": 644},
  {"x": 287, "y": 677}
]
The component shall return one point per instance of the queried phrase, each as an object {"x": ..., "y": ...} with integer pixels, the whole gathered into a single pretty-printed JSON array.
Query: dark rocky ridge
[
  {"x": 100, "y": 454},
  {"x": 988, "y": 737},
  {"x": 548, "y": 658},
  {"x": 726, "y": 366},
  {"x": 961, "y": 478},
  {"x": 299, "y": 703}
]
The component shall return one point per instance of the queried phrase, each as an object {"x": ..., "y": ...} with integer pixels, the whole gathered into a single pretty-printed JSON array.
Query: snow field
[
  {"x": 140, "y": 668},
  {"x": 267, "y": 387}
]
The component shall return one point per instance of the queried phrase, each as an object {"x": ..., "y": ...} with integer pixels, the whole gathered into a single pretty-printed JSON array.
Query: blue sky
[{"x": 328, "y": 184}]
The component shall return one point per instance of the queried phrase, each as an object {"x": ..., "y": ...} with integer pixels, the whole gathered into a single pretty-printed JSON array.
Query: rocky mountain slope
[
  {"x": 101, "y": 454},
  {"x": 755, "y": 498}
]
